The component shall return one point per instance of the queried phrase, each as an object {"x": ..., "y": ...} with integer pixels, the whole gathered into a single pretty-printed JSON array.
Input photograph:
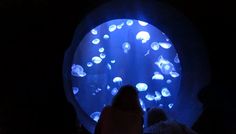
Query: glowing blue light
[
  {"x": 75, "y": 90},
  {"x": 165, "y": 45},
  {"x": 114, "y": 91},
  {"x": 77, "y": 70},
  {"x": 174, "y": 74},
  {"x": 165, "y": 92},
  {"x": 155, "y": 46},
  {"x": 122, "y": 52},
  {"x": 96, "y": 41},
  {"x": 157, "y": 76},
  {"x": 106, "y": 36},
  {"x": 142, "y": 87},
  {"x": 167, "y": 39},
  {"x": 102, "y": 55},
  {"x": 113, "y": 61},
  {"x": 168, "y": 81},
  {"x": 165, "y": 66},
  {"x": 108, "y": 66},
  {"x": 158, "y": 96},
  {"x": 142, "y": 23},
  {"x": 142, "y": 104},
  {"x": 129, "y": 22},
  {"x": 96, "y": 59},
  {"x": 101, "y": 50},
  {"x": 95, "y": 116},
  {"x": 126, "y": 47},
  {"x": 176, "y": 59},
  {"x": 89, "y": 64},
  {"x": 143, "y": 36},
  {"x": 170, "y": 105},
  {"x": 117, "y": 79},
  {"x": 120, "y": 26},
  {"x": 112, "y": 28},
  {"x": 94, "y": 31},
  {"x": 150, "y": 97}
]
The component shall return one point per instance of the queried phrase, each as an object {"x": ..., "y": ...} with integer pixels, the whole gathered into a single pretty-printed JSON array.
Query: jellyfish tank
[{"x": 137, "y": 50}]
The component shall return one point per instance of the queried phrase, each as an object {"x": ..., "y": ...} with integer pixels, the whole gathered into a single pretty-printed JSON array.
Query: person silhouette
[
  {"x": 124, "y": 116},
  {"x": 158, "y": 123}
]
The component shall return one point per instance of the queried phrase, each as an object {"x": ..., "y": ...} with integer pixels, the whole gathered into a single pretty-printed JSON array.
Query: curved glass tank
[{"x": 120, "y": 52}]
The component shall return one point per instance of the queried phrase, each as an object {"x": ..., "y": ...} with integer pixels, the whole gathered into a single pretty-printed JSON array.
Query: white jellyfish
[
  {"x": 165, "y": 45},
  {"x": 108, "y": 66},
  {"x": 157, "y": 76},
  {"x": 147, "y": 53},
  {"x": 170, "y": 105},
  {"x": 142, "y": 104},
  {"x": 176, "y": 59},
  {"x": 165, "y": 66},
  {"x": 129, "y": 22},
  {"x": 102, "y": 55},
  {"x": 89, "y": 64},
  {"x": 96, "y": 59},
  {"x": 117, "y": 79},
  {"x": 142, "y": 87},
  {"x": 126, "y": 47},
  {"x": 142, "y": 23},
  {"x": 174, "y": 74},
  {"x": 75, "y": 90},
  {"x": 114, "y": 91},
  {"x": 165, "y": 92},
  {"x": 120, "y": 26},
  {"x": 108, "y": 87},
  {"x": 113, "y": 61},
  {"x": 158, "y": 96},
  {"x": 161, "y": 105},
  {"x": 143, "y": 36},
  {"x": 150, "y": 97},
  {"x": 94, "y": 31},
  {"x": 167, "y": 39},
  {"x": 112, "y": 28},
  {"x": 95, "y": 116},
  {"x": 99, "y": 89},
  {"x": 168, "y": 81},
  {"x": 101, "y": 50},
  {"x": 106, "y": 36},
  {"x": 77, "y": 70},
  {"x": 96, "y": 41},
  {"x": 155, "y": 46}
]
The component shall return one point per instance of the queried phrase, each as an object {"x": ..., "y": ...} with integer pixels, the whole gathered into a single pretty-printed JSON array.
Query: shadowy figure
[
  {"x": 158, "y": 123},
  {"x": 124, "y": 116}
]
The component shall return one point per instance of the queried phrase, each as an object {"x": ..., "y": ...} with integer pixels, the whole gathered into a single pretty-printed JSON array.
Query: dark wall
[{"x": 35, "y": 34}]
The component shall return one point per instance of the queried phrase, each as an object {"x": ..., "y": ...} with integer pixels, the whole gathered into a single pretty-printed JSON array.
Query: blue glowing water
[{"x": 121, "y": 52}]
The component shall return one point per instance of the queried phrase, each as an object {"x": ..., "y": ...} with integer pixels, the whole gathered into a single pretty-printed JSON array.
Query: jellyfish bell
[
  {"x": 165, "y": 45},
  {"x": 129, "y": 22},
  {"x": 96, "y": 59},
  {"x": 143, "y": 36},
  {"x": 155, "y": 46},
  {"x": 96, "y": 41},
  {"x": 142, "y": 23},
  {"x": 95, "y": 116},
  {"x": 112, "y": 28},
  {"x": 165, "y": 92},
  {"x": 142, "y": 87},
  {"x": 77, "y": 71}
]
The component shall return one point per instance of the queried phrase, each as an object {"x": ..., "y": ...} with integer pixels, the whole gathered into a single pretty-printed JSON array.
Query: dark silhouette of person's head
[
  {"x": 155, "y": 115},
  {"x": 127, "y": 99}
]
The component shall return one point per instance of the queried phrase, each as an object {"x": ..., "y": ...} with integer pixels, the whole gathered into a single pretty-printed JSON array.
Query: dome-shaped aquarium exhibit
[{"x": 145, "y": 44}]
